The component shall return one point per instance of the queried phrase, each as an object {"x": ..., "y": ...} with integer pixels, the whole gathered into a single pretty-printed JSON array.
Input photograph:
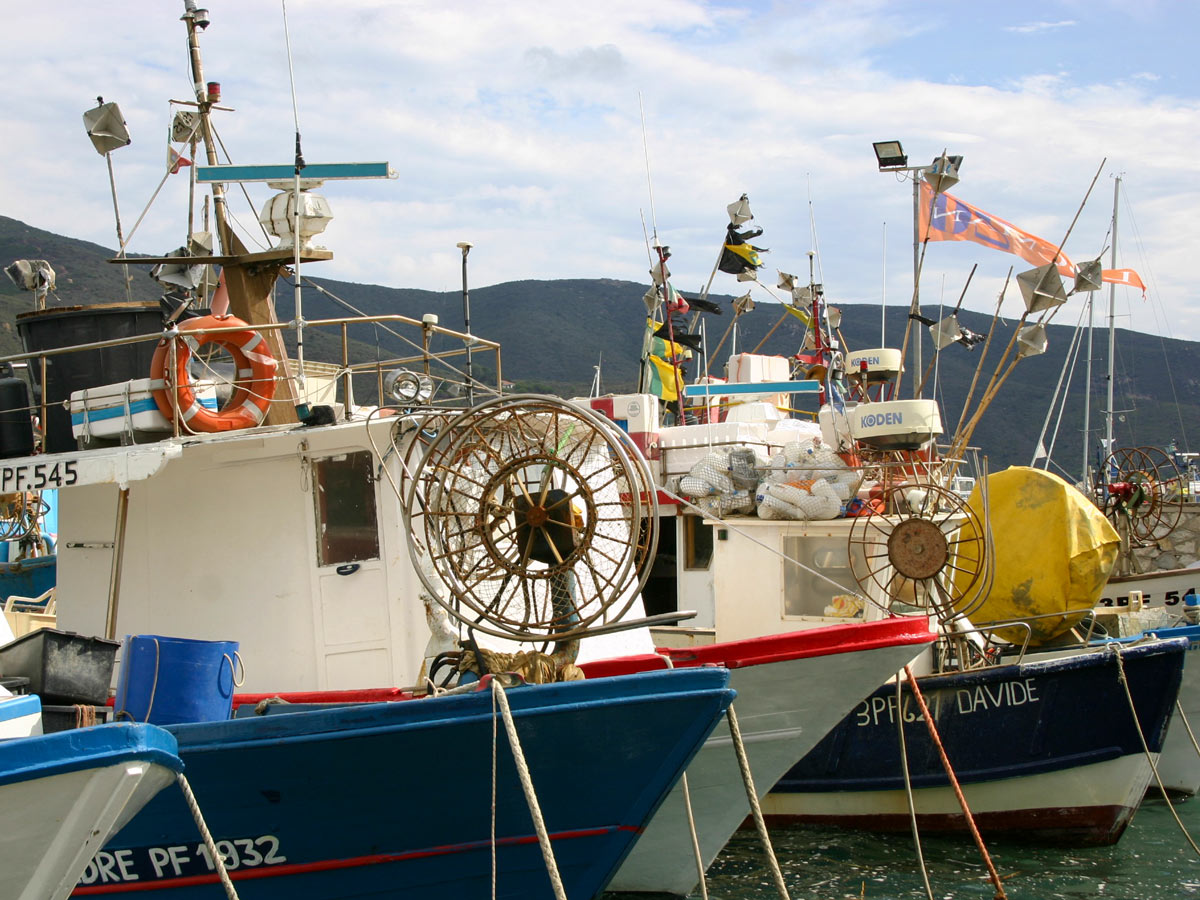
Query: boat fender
[{"x": 253, "y": 387}]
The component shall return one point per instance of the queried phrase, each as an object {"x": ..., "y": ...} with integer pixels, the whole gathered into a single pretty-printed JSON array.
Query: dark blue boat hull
[
  {"x": 394, "y": 799},
  {"x": 1024, "y": 727}
]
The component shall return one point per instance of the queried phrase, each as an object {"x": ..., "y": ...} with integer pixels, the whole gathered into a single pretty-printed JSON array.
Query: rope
[
  {"x": 744, "y": 764},
  {"x": 535, "y": 810},
  {"x": 218, "y": 860},
  {"x": 532, "y": 666},
  {"x": 908, "y": 789},
  {"x": 495, "y": 742},
  {"x": 1146, "y": 747},
  {"x": 1187, "y": 726},
  {"x": 687, "y": 805},
  {"x": 962, "y": 800}
]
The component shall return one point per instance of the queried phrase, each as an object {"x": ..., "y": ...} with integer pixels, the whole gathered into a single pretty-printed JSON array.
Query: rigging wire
[{"x": 1156, "y": 306}]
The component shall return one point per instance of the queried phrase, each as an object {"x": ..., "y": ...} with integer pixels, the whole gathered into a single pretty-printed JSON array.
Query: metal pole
[
  {"x": 112, "y": 181},
  {"x": 916, "y": 298},
  {"x": 1112, "y": 328},
  {"x": 114, "y": 576},
  {"x": 1087, "y": 401},
  {"x": 465, "y": 247}
]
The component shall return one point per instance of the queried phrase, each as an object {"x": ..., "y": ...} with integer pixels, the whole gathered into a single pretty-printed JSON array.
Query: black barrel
[
  {"x": 65, "y": 326},
  {"x": 16, "y": 418}
]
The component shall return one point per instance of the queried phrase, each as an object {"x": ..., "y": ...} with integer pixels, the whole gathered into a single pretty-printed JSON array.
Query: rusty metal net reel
[
  {"x": 537, "y": 516},
  {"x": 20, "y": 516},
  {"x": 1141, "y": 490},
  {"x": 923, "y": 554}
]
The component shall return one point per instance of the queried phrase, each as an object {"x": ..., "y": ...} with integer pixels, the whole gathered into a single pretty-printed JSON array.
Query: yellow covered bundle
[{"x": 1054, "y": 551}]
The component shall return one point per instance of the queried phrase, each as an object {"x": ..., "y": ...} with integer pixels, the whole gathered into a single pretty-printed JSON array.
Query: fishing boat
[
  {"x": 861, "y": 515},
  {"x": 1031, "y": 758},
  {"x": 62, "y": 796},
  {"x": 397, "y": 798},
  {"x": 791, "y": 690},
  {"x": 356, "y": 525}
]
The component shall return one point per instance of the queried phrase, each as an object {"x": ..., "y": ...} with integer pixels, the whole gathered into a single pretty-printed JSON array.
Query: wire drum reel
[
  {"x": 538, "y": 517},
  {"x": 923, "y": 554},
  {"x": 1141, "y": 491}
]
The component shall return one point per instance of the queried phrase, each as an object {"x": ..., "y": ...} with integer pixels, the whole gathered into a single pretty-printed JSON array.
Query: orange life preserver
[{"x": 252, "y": 390}]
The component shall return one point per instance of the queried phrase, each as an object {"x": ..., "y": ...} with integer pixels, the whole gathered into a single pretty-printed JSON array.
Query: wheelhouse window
[
  {"x": 344, "y": 493},
  {"x": 805, "y": 593}
]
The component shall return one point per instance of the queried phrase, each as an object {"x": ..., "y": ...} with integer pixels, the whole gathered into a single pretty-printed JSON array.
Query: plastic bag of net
[{"x": 800, "y": 499}]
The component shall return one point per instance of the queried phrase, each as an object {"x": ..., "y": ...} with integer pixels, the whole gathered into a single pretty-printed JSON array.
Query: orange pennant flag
[{"x": 946, "y": 218}]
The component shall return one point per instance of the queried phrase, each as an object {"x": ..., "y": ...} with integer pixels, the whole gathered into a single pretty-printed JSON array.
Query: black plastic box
[{"x": 62, "y": 666}]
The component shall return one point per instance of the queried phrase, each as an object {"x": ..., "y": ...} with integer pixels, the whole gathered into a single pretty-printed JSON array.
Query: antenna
[{"x": 302, "y": 410}]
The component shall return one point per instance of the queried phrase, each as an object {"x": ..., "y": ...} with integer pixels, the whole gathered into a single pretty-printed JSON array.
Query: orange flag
[{"x": 947, "y": 218}]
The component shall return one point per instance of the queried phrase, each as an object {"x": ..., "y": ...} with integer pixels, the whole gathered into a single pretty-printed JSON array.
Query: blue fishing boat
[
  {"x": 395, "y": 799},
  {"x": 1031, "y": 758},
  {"x": 63, "y": 795}
]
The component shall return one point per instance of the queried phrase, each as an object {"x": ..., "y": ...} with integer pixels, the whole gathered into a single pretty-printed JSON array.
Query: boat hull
[
  {"x": 63, "y": 795},
  {"x": 394, "y": 799},
  {"x": 1046, "y": 748},
  {"x": 791, "y": 690},
  {"x": 1179, "y": 763}
]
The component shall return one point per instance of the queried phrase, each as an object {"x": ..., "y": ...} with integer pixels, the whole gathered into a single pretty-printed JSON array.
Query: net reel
[
  {"x": 1140, "y": 490},
  {"x": 923, "y": 554},
  {"x": 537, "y": 516}
]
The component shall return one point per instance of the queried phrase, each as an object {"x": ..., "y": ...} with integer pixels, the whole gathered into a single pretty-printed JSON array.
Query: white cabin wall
[{"x": 221, "y": 545}]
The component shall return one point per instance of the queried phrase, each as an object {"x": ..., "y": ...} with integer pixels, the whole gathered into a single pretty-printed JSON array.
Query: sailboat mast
[
  {"x": 1112, "y": 330},
  {"x": 1087, "y": 400}
]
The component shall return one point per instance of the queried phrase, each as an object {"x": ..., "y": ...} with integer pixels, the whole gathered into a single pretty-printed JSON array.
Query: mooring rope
[
  {"x": 908, "y": 789},
  {"x": 962, "y": 800},
  {"x": 1187, "y": 726},
  {"x": 535, "y": 810},
  {"x": 217, "y": 859},
  {"x": 687, "y": 805},
  {"x": 1146, "y": 747},
  {"x": 756, "y": 811},
  {"x": 495, "y": 743}
]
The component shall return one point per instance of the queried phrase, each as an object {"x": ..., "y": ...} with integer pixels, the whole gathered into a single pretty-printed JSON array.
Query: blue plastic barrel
[{"x": 169, "y": 680}]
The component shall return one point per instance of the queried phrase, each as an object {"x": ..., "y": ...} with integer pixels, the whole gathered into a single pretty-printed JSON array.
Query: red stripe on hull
[
  {"x": 329, "y": 865},
  {"x": 1074, "y": 826}
]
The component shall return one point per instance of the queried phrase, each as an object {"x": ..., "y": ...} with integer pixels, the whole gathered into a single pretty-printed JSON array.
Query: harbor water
[{"x": 1152, "y": 860}]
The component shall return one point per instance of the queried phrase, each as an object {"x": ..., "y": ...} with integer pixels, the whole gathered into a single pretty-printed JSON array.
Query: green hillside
[{"x": 554, "y": 333}]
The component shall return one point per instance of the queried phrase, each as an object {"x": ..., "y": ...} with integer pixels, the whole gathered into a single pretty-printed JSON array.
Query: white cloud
[
  {"x": 1040, "y": 27},
  {"x": 517, "y": 126}
]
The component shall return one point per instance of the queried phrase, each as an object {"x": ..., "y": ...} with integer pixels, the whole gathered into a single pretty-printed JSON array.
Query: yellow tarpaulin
[{"x": 1054, "y": 551}]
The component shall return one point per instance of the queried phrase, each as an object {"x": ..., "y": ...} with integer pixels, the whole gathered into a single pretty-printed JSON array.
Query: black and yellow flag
[{"x": 738, "y": 256}]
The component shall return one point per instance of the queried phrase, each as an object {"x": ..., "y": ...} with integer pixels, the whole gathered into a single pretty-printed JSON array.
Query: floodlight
[{"x": 890, "y": 155}]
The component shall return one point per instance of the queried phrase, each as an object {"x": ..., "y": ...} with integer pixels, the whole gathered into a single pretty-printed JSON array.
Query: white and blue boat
[
  {"x": 63, "y": 795},
  {"x": 395, "y": 799},
  {"x": 1030, "y": 757}
]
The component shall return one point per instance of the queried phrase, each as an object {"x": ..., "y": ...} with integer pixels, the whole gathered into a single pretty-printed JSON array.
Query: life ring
[{"x": 252, "y": 390}]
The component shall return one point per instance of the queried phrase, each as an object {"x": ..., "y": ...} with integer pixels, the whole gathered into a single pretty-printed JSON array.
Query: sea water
[{"x": 1152, "y": 860}]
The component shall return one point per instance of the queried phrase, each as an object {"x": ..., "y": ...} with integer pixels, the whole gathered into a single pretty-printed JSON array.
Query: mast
[
  {"x": 1087, "y": 399},
  {"x": 1112, "y": 331},
  {"x": 204, "y": 104}
]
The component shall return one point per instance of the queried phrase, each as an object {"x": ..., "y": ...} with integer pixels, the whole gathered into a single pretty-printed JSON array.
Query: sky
[{"x": 555, "y": 136}]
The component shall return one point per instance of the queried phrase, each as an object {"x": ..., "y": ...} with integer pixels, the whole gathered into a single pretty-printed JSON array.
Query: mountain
[{"x": 554, "y": 333}]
